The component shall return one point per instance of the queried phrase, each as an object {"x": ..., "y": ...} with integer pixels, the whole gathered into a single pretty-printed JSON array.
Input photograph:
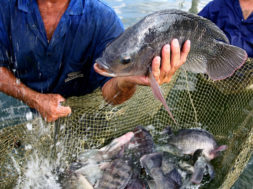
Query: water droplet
[
  {"x": 18, "y": 81},
  {"x": 29, "y": 126},
  {"x": 28, "y": 147},
  {"x": 29, "y": 116}
]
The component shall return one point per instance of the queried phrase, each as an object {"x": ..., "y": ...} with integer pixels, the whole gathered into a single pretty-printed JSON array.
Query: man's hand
[
  {"x": 48, "y": 105},
  {"x": 50, "y": 108},
  {"x": 118, "y": 90}
]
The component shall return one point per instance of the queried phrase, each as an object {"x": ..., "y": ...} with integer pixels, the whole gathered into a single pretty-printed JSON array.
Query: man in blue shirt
[
  {"x": 48, "y": 49},
  {"x": 235, "y": 18}
]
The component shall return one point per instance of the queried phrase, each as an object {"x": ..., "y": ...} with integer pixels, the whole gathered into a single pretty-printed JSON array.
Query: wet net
[{"x": 224, "y": 108}]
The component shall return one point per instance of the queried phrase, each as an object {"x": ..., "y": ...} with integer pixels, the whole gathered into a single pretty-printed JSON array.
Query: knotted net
[{"x": 224, "y": 108}]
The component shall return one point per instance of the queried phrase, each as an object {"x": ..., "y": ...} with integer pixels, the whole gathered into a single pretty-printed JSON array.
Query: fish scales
[
  {"x": 190, "y": 141},
  {"x": 117, "y": 176},
  {"x": 186, "y": 139},
  {"x": 145, "y": 39}
]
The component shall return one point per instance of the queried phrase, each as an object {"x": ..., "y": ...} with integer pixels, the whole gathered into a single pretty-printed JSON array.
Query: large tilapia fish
[{"x": 132, "y": 52}]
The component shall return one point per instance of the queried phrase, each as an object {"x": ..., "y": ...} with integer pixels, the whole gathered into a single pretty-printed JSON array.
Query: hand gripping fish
[{"x": 131, "y": 54}]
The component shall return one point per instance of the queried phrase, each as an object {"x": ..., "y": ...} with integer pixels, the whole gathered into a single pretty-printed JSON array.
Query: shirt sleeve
[
  {"x": 110, "y": 28},
  {"x": 4, "y": 52},
  {"x": 211, "y": 10}
]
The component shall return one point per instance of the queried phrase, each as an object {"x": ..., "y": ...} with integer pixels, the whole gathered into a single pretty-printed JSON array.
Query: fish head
[
  {"x": 127, "y": 55},
  {"x": 116, "y": 147}
]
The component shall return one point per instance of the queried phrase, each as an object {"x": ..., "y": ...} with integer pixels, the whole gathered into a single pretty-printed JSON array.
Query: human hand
[
  {"x": 162, "y": 68},
  {"x": 50, "y": 108}
]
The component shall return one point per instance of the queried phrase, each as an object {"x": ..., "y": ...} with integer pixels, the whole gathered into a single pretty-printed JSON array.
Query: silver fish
[
  {"x": 116, "y": 176},
  {"x": 188, "y": 141},
  {"x": 132, "y": 52}
]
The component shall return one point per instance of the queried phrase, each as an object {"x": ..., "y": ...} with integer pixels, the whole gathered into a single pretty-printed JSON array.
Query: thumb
[{"x": 63, "y": 110}]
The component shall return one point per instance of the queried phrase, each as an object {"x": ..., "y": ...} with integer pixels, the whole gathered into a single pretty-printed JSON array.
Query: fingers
[
  {"x": 63, "y": 111},
  {"x": 185, "y": 51},
  {"x": 172, "y": 59},
  {"x": 156, "y": 67},
  {"x": 175, "y": 54},
  {"x": 166, "y": 66},
  {"x": 50, "y": 107},
  {"x": 59, "y": 98}
]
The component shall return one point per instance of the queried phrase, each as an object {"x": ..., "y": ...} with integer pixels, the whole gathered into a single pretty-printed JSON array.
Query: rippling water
[{"x": 130, "y": 11}]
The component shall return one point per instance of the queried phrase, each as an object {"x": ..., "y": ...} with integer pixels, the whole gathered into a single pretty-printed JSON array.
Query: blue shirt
[
  {"x": 228, "y": 16},
  {"x": 63, "y": 65}
]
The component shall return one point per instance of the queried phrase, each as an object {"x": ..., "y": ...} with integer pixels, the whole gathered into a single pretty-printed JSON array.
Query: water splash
[
  {"x": 43, "y": 164},
  {"x": 39, "y": 174}
]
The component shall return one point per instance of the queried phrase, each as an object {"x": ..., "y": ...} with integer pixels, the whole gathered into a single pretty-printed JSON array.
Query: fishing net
[{"x": 224, "y": 108}]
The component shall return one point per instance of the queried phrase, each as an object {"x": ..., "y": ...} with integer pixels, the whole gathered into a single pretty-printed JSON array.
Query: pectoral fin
[{"x": 157, "y": 91}]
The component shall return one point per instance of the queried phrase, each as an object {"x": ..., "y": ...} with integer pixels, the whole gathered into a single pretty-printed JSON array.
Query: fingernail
[
  {"x": 189, "y": 42},
  {"x": 175, "y": 42},
  {"x": 167, "y": 47},
  {"x": 158, "y": 58}
]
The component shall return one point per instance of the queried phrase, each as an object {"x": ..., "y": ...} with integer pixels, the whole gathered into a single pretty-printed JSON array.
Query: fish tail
[
  {"x": 157, "y": 91},
  {"x": 224, "y": 65}
]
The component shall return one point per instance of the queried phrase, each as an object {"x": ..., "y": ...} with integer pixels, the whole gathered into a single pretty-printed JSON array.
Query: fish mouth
[{"x": 103, "y": 69}]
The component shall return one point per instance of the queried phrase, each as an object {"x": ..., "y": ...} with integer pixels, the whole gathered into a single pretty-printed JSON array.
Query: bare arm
[
  {"x": 47, "y": 104},
  {"x": 118, "y": 90}
]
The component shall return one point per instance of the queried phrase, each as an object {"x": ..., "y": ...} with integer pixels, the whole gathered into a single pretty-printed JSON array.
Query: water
[
  {"x": 13, "y": 111},
  {"x": 130, "y": 11}
]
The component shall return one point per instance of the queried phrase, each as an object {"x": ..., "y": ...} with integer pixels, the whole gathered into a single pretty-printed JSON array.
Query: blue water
[{"x": 130, "y": 11}]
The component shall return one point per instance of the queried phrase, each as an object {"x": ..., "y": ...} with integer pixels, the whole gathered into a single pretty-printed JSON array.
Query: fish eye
[{"x": 126, "y": 60}]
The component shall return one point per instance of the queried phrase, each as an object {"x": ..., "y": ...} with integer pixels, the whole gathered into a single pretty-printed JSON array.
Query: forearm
[
  {"x": 116, "y": 90},
  {"x": 11, "y": 86}
]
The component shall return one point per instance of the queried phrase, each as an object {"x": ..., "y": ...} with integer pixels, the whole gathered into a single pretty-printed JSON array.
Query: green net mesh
[{"x": 224, "y": 108}]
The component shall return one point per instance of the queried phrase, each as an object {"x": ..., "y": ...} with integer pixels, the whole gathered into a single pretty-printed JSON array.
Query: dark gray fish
[
  {"x": 132, "y": 52},
  {"x": 136, "y": 184},
  {"x": 188, "y": 141},
  {"x": 124, "y": 170},
  {"x": 136, "y": 143},
  {"x": 142, "y": 143},
  {"x": 201, "y": 167},
  {"x": 116, "y": 176},
  {"x": 116, "y": 165},
  {"x": 153, "y": 166},
  {"x": 175, "y": 176},
  {"x": 91, "y": 163}
]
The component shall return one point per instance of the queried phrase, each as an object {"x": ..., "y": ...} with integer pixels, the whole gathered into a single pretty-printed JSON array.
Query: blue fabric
[
  {"x": 228, "y": 16},
  {"x": 64, "y": 65}
]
